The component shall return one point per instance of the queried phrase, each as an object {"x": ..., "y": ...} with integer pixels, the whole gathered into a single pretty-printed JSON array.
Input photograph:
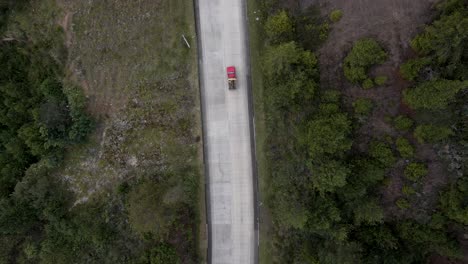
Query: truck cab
[{"x": 231, "y": 75}]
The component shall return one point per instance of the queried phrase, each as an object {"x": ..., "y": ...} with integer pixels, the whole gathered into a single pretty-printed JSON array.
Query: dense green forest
[
  {"x": 42, "y": 116},
  {"x": 323, "y": 190}
]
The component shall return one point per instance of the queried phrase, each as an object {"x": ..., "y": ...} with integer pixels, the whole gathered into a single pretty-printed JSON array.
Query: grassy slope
[
  {"x": 266, "y": 252},
  {"x": 141, "y": 81}
]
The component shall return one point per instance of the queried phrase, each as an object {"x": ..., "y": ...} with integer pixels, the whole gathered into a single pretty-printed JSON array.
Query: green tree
[
  {"x": 367, "y": 211},
  {"x": 290, "y": 73},
  {"x": 380, "y": 80},
  {"x": 362, "y": 106},
  {"x": 279, "y": 27},
  {"x": 329, "y": 175},
  {"x": 431, "y": 133},
  {"x": 453, "y": 201},
  {"x": 445, "y": 40},
  {"x": 382, "y": 152},
  {"x": 403, "y": 204},
  {"x": 415, "y": 171},
  {"x": 411, "y": 69},
  {"x": 328, "y": 135},
  {"x": 403, "y": 123},
  {"x": 336, "y": 15},
  {"x": 404, "y": 148},
  {"x": 433, "y": 94},
  {"x": 364, "y": 54},
  {"x": 164, "y": 254}
]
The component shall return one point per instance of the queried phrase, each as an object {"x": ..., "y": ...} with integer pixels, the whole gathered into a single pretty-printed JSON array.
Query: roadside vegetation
[
  {"x": 324, "y": 180},
  {"x": 80, "y": 183}
]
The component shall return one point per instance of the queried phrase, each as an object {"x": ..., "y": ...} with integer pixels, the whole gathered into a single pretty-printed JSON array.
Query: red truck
[{"x": 231, "y": 75}]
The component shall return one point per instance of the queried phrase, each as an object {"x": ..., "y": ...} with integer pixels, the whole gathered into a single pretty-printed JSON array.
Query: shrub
[
  {"x": 403, "y": 123},
  {"x": 323, "y": 31},
  {"x": 433, "y": 95},
  {"x": 380, "y": 80},
  {"x": 328, "y": 135},
  {"x": 382, "y": 152},
  {"x": 431, "y": 133},
  {"x": 410, "y": 69},
  {"x": 408, "y": 190},
  {"x": 329, "y": 176},
  {"x": 368, "y": 84},
  {"x": 279, "y": 27},
  {"x": 163, "y": 254},
  {"x": 331, "y": 96},
  {"x": 404, "y": 148},
  {"x": 364, "y": 54},
  {"x": 336, "y": 15},
  {"x": 362, "y": 106},
  {"x": 415, "y": 171},
  {"x": 402, "y": 203}
]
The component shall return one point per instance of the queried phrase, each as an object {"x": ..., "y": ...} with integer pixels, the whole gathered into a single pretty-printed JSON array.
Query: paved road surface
[{"x": 227, "y": 132}]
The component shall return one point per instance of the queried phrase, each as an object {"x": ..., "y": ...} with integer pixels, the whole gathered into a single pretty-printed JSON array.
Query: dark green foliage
[
  {"x": 289, "y": 70},
  {"x": 410, "y": 70},
  {"x": 380, "y": 80},
  {"x": 35, "y": 114},
  {"x": 425, "y": 240},
  {"x": 382, "y": 152},
  {"x": 431, "y": 133},
  {"x": 368, "y": 212},
  {"x": 404, "y": 148},
  {"x": 329, "y": 175},
  {"x": 365, "y": 53},
  {"x": 362, "y": 106},
  {"x": 446, "y": 41},
  {"x": 368, "y": 84},
  {"x": 279, "y": 28},
  {"x": 328, "y": 135},
  {"x": 433, "y": 94},
  {"x": 403, "y": 123},
  {"x": 163, "y": 254},
  {"x": 323, "y": 190},
  {"x": 408, "y": 190},
  {"x": 336, "y": 15},
  {"x": 453, "y": 201},
  {"x": 311, "y": 28},
  {"x": 415, "y": 171},
  {"x": 402, "y": 203}
]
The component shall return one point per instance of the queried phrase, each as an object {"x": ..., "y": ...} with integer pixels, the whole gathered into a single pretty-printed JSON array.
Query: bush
[
  {"x": 415, "y": 171},
  {"x": 408, "y": 190},
  {"x": 403, "y": 123},
  {"x": 336, "y": 15},
  {"x": 330, "y": 96},
  {"x": 323, "y": 31},
  {"x": 329, "y": 175},
  {"x": 362, "y": 106},
  {"x": 364, "y": 54},
  {"x": 368, "y": 84},
  {"x": 279, "y": 27},
  {"x": 404, "y": 148},
  {"x": 431, "y": 133},
  {"x": 380, "y": 80},
  {"x": 328, "y": 135},
  {"x": 164, "y": 254},
  {"x": 410, "y": 69},
  {"x": 382, "y": 152},
  {"x": 433, "y": 95},
  {"x": 402, "y": 203}
]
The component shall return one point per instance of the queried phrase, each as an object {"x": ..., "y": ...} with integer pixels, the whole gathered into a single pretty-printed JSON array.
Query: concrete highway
[{"x": 228, "y": 132}]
